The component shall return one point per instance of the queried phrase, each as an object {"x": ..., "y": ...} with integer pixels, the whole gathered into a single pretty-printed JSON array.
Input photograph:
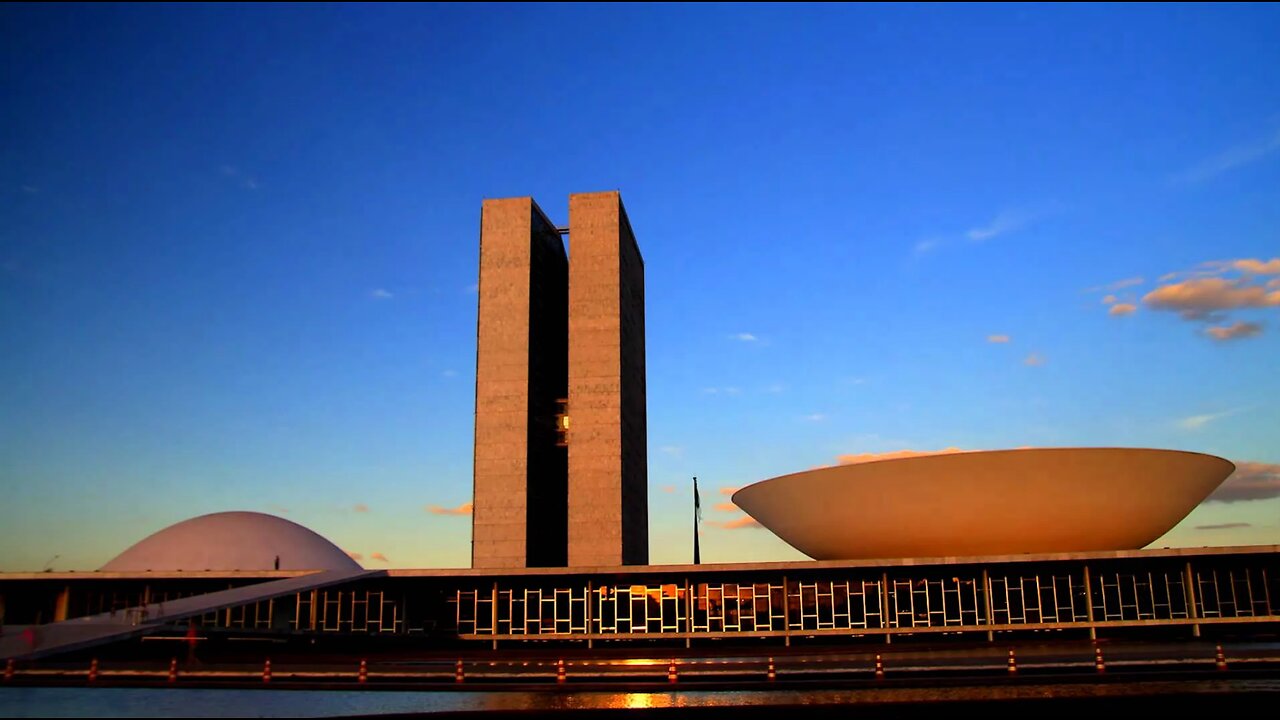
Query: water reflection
[{"x": 135, "y": 702}]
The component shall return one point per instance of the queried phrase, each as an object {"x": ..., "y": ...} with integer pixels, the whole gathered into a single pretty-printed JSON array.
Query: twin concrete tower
[{"x": 561, "y": 463}]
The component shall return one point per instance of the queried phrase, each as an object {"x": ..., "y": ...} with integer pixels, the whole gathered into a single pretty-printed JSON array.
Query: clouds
[
  {"x": 360, "y": 508},
  {"x": 854, "y": 458},
  {"x": 1250, "y": 481},
  {"x": 463, "y": 509},
  {"x": 815, "y": 417},
  {"x": 1122, "y": 284},
  {"x": 745, "y": 337},
  {"x": 746, "y": 521},
  {"x": 359, "y": 557},
  {"x": 1235, "y": 331},
  {"x": 1199, "y": 298},
  {"x": 1116, "y": 306},
  {"x": 1003, "y": 223},
  {"x": 1257, "y": 267},
  {"x": 738, "y": 523},
  {"x": 743, "y": 521},
  {"x": 1225, "y": 526},
  {"x": 1195, "y": 422},
  {"x": 924, "y": 247},
  {"x": 234, "y": 174},
  {"x": 1207, "y": 293},
  {"x": 1034, "y": 359},
  {"x": 1230, "y": 159},
  {"x": 381, "y": 294}
]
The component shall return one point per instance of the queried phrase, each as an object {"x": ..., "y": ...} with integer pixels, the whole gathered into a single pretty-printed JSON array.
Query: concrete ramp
[{"x": 35, "y": 641}]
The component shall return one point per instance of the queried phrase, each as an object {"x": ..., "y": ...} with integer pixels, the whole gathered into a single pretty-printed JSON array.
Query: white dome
[{"x": 232, "y": 541}]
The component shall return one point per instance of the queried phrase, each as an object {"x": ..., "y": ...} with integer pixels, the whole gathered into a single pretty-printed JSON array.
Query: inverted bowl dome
[{"x": 995, "y": 502}]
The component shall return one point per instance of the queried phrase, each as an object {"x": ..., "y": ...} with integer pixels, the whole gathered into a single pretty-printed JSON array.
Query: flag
[{"x": 697, "y": 515}]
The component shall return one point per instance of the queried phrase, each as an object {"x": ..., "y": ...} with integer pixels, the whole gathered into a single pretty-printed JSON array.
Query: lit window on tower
[{"x": 562, "y": 423}]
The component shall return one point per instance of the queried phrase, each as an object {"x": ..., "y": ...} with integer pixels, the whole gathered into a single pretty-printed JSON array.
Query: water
[{"x": 26, "y": 702}]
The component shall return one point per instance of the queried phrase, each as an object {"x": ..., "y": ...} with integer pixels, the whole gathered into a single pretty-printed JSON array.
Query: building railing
[{"x": 1105, "y": 595}]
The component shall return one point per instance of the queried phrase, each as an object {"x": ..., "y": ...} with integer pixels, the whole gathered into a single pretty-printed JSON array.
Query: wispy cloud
[
  {"x": 1002, "y": 224},
  {"x": 30, "y": 189},
  {"x": 355, "y": 556},
  {"x": 726, "y": 507},
  {"x": 463, "y": 509},
  {"x": 854, "y": 458},
  {"x": 1250, "y": 481},
  {"x": 997, "y": 338},
  {"x": 379, "y": 557},
  {"x": 722, "y": 391},
  {"x": 668, "y": 488},
  {"x": 1224, "y": 526},
  {"x": 728, "y": 490},
  {"x": 449, "y": 373},
  {"x": 1115, "y": 286},
  {"x": 1195, "y": 422},
  {"x": 380, "y": 294},
  {"x": 776, "y": 388},
  {"x": 746, "y": 521},
  {"x": 1230, "y": 159},
  {"x": 1122, "y": 309},
  {"x": 1236, "y": 331},
  {"x": 672, "y": 450},
  {"x": 360, "y": 508},
  {"x": 246, "y": 181},
  {"x": 744, "y": 337},
  {"x": 924, "y": 247},
  {"x": 278, "y": 509},
  {"x": 815, "y": 417},
  {"x": 1035, "y": 360},
  {"x": 472, "y": 289}
]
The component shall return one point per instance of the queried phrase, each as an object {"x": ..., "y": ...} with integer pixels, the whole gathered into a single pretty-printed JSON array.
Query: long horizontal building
[{"x": 1187, "y": 590}]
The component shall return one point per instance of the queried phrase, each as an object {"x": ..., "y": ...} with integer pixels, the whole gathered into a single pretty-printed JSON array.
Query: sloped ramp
[{"x": 35, "y": 641}]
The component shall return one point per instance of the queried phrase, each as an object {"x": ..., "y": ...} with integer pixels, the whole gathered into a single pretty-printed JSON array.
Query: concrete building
[
  {"x": 561, "y": 471},
  {"x": 986, "y": 503},
  {"x": 520, "y": 477},
  {"x": 608, "y": 461}
]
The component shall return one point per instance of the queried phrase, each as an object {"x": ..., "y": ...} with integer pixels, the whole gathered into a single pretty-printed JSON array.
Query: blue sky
[{"x": 238, "y": 249}]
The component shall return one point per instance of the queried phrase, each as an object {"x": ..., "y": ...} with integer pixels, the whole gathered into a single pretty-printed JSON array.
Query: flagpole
[{"x": 697, "y": 511}]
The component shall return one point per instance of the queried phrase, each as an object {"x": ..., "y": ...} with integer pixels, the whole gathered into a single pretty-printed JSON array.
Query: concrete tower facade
[
  {"x": 608, "y": 461},
  {"x": 520, "y": 479},
  {"x": 561, "y": 472}
]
